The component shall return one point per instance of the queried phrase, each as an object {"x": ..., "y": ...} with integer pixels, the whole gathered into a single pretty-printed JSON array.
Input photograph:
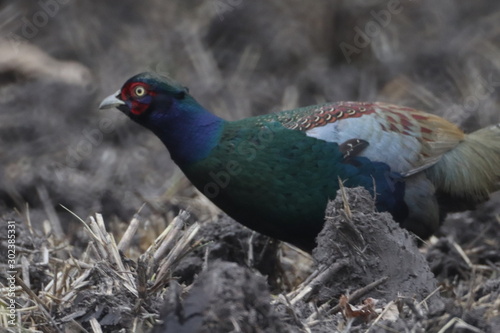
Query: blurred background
[{"x": 59, "y": 58}]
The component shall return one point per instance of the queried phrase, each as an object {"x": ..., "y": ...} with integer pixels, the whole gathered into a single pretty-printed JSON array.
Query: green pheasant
[{"x": 275, "y": 173}]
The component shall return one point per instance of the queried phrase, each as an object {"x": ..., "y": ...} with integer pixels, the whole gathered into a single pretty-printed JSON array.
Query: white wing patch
[{"x": 400, "y": 152}]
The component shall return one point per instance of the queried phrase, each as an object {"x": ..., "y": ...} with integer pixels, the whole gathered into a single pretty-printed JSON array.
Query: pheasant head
[{"x": 166, "y": 108}]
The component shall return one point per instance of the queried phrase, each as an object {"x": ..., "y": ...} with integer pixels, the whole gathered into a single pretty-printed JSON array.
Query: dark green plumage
[
  {"x": 275, "y": 173},
  {"x": 274, "y": 180}
]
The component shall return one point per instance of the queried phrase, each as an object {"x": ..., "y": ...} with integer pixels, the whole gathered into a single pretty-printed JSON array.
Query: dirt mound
[{"x": 370, "y": 245}]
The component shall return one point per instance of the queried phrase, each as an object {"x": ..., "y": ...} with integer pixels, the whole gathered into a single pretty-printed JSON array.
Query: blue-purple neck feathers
[{"x": 188, "y": 130}]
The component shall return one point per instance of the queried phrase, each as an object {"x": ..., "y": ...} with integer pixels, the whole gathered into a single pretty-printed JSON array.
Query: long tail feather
[{"x": 471, "y": 170}]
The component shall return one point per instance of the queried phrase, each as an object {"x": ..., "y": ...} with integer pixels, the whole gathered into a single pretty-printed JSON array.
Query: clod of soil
[
  {"x": 369, "y": 245},
  {"x": 224, "y": 298},
  {"x": 228, "y": 240}
]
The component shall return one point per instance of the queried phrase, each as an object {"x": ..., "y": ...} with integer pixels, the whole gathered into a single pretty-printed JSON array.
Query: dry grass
[
  {"x": 104, "y": 290},
  {"x": 126, "y": 287}
]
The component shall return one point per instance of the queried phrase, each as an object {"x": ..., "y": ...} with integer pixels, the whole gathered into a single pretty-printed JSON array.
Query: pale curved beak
[{"x": 111, "y": 101}]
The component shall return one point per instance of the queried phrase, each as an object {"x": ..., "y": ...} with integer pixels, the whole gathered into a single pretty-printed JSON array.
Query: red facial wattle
[{"x": 138, "y": 95}]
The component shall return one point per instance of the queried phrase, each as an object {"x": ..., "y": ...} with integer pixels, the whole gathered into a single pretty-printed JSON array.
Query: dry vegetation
[{"x": 142, "y": 260}]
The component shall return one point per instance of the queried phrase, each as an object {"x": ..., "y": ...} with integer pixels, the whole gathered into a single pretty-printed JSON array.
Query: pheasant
[{"x": 275, "y": 173}]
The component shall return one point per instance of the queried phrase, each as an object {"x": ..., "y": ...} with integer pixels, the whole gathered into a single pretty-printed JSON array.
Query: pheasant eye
[{"x": 139, "y": 91}]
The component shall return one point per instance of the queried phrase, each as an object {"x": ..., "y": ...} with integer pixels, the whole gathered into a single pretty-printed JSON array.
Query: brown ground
[{"x": 239, "y": 58}]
